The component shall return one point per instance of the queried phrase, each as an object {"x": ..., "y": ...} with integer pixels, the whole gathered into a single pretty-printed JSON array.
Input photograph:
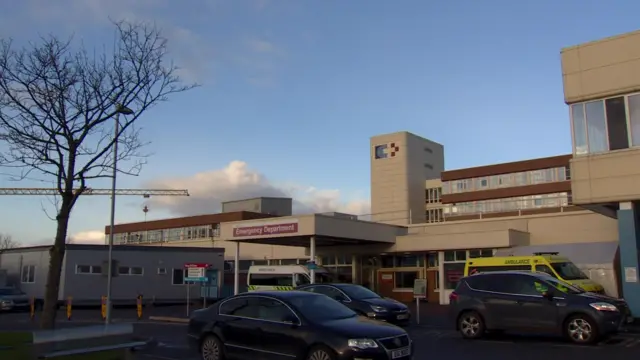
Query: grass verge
[{"x": 16, "y": 345}]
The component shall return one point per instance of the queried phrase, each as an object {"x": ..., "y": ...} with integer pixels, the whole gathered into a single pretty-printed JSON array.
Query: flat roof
[
  {"x": 187, "y": 221},
  {"x": 297, "y": 231},
  {"x": 98, "y": 247}
]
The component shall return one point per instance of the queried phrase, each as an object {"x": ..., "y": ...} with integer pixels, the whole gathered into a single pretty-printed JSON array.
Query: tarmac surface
[{"x": 434, "y": 336}]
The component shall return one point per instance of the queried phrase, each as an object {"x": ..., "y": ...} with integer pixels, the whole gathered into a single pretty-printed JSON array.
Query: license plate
[
  {"x": 400, "y": 353},
  {"x": 403, "y": 316}
]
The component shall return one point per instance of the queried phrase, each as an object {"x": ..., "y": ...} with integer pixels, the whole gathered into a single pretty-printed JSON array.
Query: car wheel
[
  {"x": 471, "y": 325},
  {"x": 211, "y": 348},
  {"x": 581, "y": 329},
  {"x": 321, "y": 353}
]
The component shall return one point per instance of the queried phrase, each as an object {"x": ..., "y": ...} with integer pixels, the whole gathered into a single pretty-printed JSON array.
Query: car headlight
[
  {"x": 362, "y": 344},
  {"x": 602, "y": 306},
  {"x": 378, "y": 309}
]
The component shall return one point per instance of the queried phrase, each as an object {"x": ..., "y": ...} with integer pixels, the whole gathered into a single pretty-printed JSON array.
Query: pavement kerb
[{"x": 169, "y": 319}]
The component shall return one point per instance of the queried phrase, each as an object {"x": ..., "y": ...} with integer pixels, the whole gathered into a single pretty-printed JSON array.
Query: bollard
[
  {"x": 69, "y": 302},
  {"x": 103, "y": 308},
  {"x": 139, "y": 306},
  {"x": 32, "y": 308}
]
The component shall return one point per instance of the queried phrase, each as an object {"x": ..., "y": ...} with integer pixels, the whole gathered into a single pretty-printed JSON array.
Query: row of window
[
  {"x": 418, "y": 260},
  {"x": 509, "y": 204},
  {"x": 606, "y": 125},
  {"x": 98, "y": 270},
  {"x": 433, "y": 195},
  {"x": 523, "y": 178},
  {"x": 177, "y": 234}
]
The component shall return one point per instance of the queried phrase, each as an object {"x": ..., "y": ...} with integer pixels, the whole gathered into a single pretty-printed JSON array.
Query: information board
[
  {"x": 420, "y": 288},
  {"x": 195, "y": 272}
]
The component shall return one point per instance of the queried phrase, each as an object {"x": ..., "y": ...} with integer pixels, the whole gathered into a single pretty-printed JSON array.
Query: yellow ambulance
[{"x": 551, "y": 263}]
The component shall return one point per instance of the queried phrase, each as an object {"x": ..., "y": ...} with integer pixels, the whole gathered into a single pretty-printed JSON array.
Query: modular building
[{"x": 156, "y": 273}]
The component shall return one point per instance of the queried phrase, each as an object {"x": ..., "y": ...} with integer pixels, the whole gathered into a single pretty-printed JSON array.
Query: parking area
[{"x": 433, "y": 336}]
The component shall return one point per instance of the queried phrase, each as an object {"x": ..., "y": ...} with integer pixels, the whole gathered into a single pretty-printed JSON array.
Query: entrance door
[
  {"x": 432, "y": 279},
  {"x": 385, "y": 283}
]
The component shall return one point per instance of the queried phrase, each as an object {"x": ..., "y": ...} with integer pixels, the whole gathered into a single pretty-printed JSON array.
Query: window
[
  {"x": 453, "y": 272},
  {"x": 617, "y": 123},
  {"x": 524, "y": 285},
  {"x": 634, "y": 119},
  {"x": 460, "y": 255},
  {"x": 178, "y": 277},
  {"x": 428, "y": 166},
  {"x": 432, "y": 259},
  {"x": 28, "y": 275},
  {"x": 126, "y": 270},
  {"x": 409, "y": 260},
  {"x": 328, "y": 260},
  {"x": 271, "y": 279},
  {"x": 545, "y": 269},
  {"x": 274, "y": 310},
  {"x": 483, "y": 253},
  {"x": 596, "y": 126},
  {"x": 162, "y": 271},
  {"x": 328, "y": 291},
  {"x": 579, "y": 129},
  {"x": 405, "y": 279},
  {"x": 88, "y": 269},
  {"x": 486, "y": 269},
  {"x": 320, "y": 308},
  {"x": 238, "y": 307},
  {"x": 568, "y": 271},
  {"x": 359, "y": 292},
  {"x": 386, "y": 261}
]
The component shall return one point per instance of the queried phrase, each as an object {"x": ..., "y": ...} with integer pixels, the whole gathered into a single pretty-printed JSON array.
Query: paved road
[{"x": 431, "y": 339}]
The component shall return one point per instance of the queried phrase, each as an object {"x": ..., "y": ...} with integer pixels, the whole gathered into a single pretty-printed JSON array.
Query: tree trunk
[{"x": 50, "y": 308}]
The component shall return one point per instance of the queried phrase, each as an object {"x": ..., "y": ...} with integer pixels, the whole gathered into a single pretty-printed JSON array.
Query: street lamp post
[{"x": 120, "y": 109}]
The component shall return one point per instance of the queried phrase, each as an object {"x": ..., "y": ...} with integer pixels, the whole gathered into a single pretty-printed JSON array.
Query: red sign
[
  {"x": 267, "y": 229},
  {"x": 196, "y": 265}
]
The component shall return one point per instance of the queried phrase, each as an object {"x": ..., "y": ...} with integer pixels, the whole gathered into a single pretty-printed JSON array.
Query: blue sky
[{"x": 292, "y": 91}]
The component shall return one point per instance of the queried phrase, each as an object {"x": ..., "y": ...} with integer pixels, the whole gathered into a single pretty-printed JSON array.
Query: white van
[{"x": 283, "y": 277}]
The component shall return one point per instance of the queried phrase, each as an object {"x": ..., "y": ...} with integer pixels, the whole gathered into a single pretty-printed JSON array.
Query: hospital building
[{"x": 426, "y": 220}]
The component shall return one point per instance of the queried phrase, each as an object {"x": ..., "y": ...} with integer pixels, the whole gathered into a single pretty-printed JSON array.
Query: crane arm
[{"x": 91, "y": 191}]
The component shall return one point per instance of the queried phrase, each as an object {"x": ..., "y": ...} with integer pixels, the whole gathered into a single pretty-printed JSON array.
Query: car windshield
[
  {"x": 10, "y": 291},
  {"x": 564, "y": 287},
  {"x": 568, "y": 271},
  {"x": 358, "y": 292},
  {"x": 320, "y": 308}
]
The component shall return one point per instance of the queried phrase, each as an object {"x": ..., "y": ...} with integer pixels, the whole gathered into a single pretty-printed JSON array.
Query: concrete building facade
[
  {"x": 602, "y": 88},
  {"x": 426, "y": 221},
  {"x": 400, "y": 164}
]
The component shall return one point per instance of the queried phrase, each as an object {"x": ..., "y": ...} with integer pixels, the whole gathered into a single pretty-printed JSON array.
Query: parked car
[
  {"x": 517, "y": 301},
  {"x": 292, "y": 325},
  {"x": 13, "y": 299},
  {"x": 363, "y": 301}
]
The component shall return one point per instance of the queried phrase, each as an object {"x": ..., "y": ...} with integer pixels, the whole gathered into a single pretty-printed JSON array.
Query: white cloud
[
  {"x": 238, "y": 181},
  {"x": 87, "y": 237},
  {"x": 191, "y": 52}
]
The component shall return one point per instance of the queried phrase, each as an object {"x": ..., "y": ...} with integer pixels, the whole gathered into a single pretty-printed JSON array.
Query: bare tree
[
  {"x": 7, "y": 242},
  {"x": 58, "y": 105}
]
